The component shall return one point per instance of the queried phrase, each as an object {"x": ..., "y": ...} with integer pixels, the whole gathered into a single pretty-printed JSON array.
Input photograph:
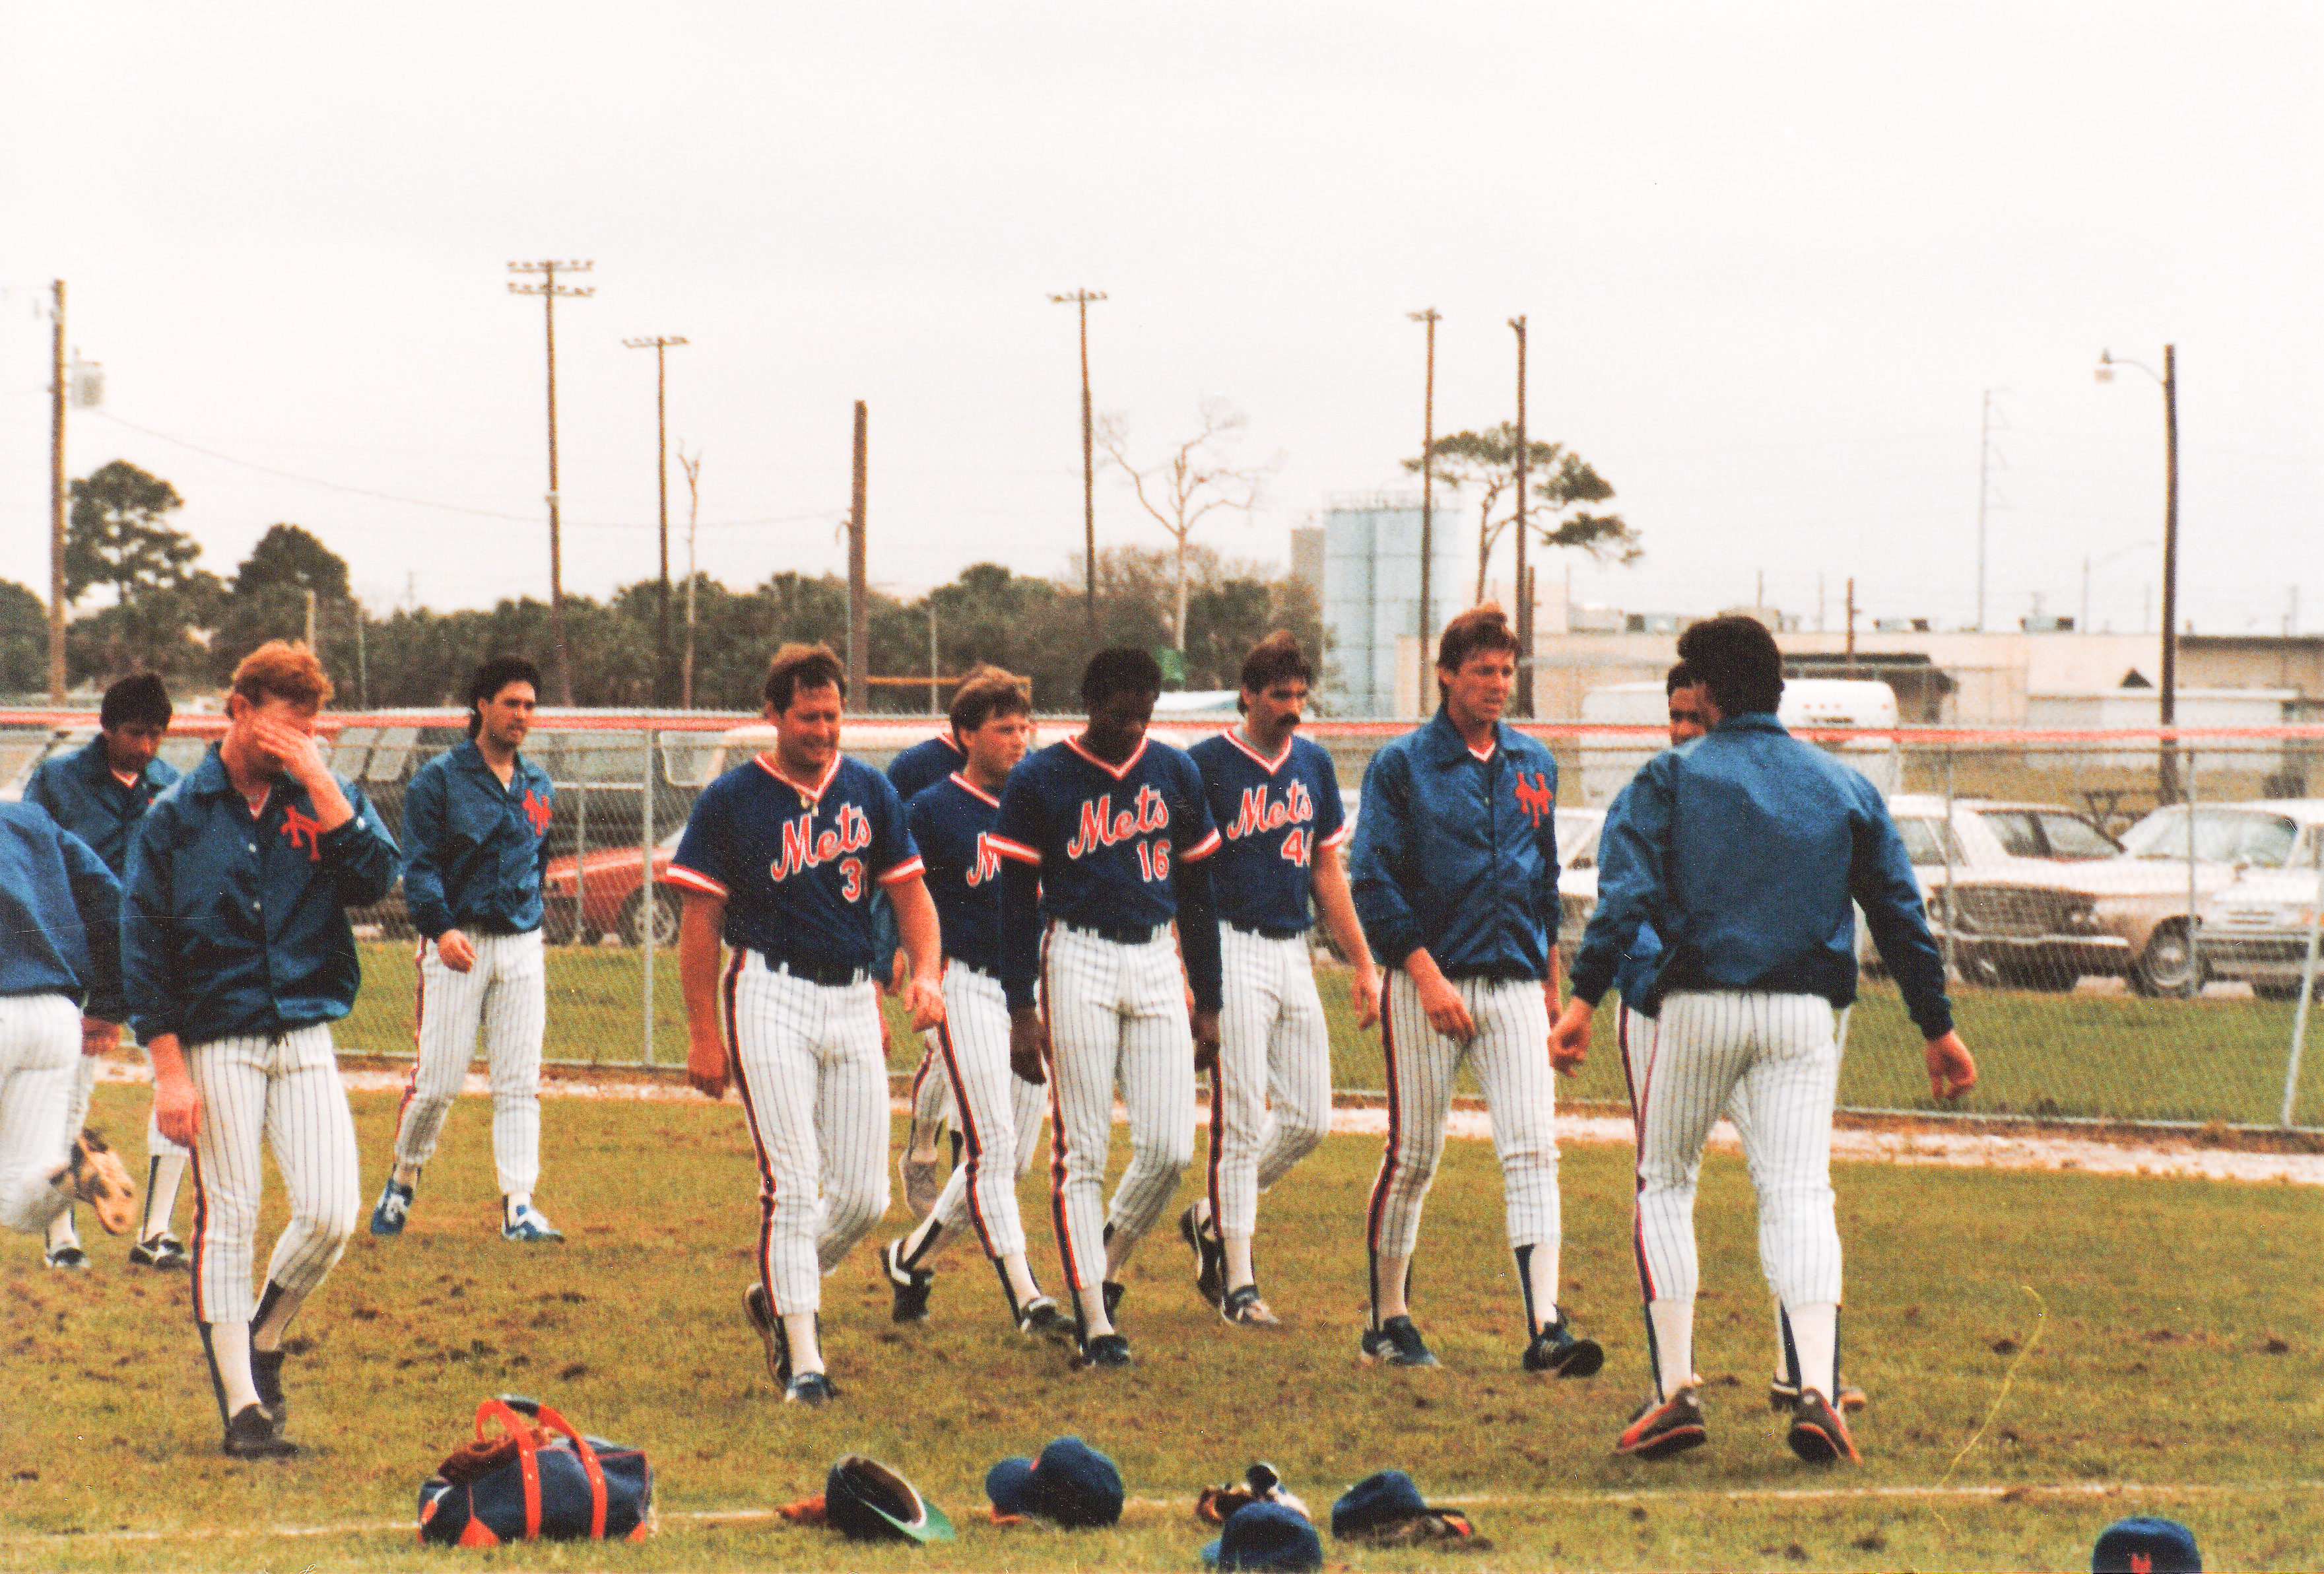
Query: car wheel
[
  {"x": 2169, "y": 965},
  {"x": 665, "y": 919}
]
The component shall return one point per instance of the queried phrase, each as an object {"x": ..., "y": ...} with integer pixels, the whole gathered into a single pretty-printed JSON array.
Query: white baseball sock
[
  {"x": 408, "y": 1176},
  {"x": 1119, "y": 1245},
  {"x": 926, "y": 1244},
  {"x": 1238, "y": 1269},
  {"x": 276, "y": 1308},
  {"x": 1091, "y": 1303},
  {"x": 1816, "y": 1334},
  {"x": 230, "y": 1356},
  {"x": 1538, "y": 1262},
  {"x": 1673, "y": 1322},
  {"x": 1019, "y": 1273},
  {"x": 163, "y": 1173},
  {"x": 1388, "y": 1300},
  {"x": 798, "y": 1334},
  {"x": 61, "y": 1232}
]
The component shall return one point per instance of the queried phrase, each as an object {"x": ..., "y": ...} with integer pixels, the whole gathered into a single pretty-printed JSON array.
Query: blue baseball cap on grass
[
  {"x": 2154, "y": 1546},
  {"x": 1071, "y": 1482},
  {"x": 1266, "y": 1535}
]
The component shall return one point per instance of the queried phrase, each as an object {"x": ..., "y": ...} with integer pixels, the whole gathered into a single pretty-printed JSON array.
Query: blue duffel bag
[{"x": 527, "y": 1485}]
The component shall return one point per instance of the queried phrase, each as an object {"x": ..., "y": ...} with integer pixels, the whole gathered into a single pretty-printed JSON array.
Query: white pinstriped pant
[
  {"x": 1772, "y": 1062},
  {"x": 40, "y": 1039},
  {"x": 505, "y": 992},
  {"x": 999, "y": 1113},
  {"x": 1117, "y": 1013},
  {"x": 815, "y": 1089},
  {"x": 84, "y": 1089},
  {"x": 1271, "y": 1096},
  {"x": 285, "y": 1091},
  {"x": 1511, "y": 1056},
  {"x": 932, "y": 1085}
]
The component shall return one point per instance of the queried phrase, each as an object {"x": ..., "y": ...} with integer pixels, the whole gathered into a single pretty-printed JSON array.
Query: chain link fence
[{"x": 2127, "y": 925}]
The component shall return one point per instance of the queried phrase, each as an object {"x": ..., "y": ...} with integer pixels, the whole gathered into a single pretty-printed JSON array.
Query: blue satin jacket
[
  {"x": 477, "y": 848},
  {"x": 59, "y": 914}
]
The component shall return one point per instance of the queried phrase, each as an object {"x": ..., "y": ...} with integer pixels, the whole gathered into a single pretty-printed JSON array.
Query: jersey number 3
[
  {"x": 850, "y": 879},
  {"x": 1154, "y": 860}
]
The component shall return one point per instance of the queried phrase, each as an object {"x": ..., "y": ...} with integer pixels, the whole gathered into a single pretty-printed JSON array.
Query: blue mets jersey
[
  {"x": 926, "y": 763},
  {"x": 1271, "y": 815},
  {"x": 952, "y": 823},
  {"x": 797, "y": 865},
  {"x": 82, "y": 795}
]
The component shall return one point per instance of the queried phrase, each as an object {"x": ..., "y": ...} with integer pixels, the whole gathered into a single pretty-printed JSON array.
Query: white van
[{"x": 1810, "y": 705}]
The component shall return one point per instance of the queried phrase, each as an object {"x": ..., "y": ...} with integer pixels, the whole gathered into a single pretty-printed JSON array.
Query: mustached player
[
  {"x": 238, "y": 954},
  {"x": 99, "y": 793},
  {"x": 1104, "y": 839},
  {"x": 778, "y": 861},
  {"x": 998, "y": 1112},
  {"x": 1744, "y": 849},
  {"x": 1276, "y": 801},
  {"x": 1456, "y": 881},
  {"x": 476, "y": 820}
]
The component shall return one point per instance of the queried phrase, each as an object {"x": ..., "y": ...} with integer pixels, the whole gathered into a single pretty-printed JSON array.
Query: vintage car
[
  {"x": 2257, "y": 928},
  {"x": 588, "y": 898}
]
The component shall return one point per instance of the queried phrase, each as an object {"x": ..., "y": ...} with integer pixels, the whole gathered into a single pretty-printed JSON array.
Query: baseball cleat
[
  {"x": 910, "y": 1286},
  {"x": 1044, "y": 1318},
  {"x": 1243, "y": 1308},
  {"x": 812, "y": 1389},
  {"x": 771, "y": 1334},
  {"x": 163, "y": 1251},
  {"x": 250, "y": 1435},
  {"x": 923, "y": 1179},
  {"x": 1396, "y": 1343},
  {"x": 1784, "y": 1393},
  {"x": 1818, "y": 1435},
  {"x": 1105, "y": 1350},
  {"x": 1663, "y": 1427},
  {"x": 70, "y": 1256},
  {"x": 394, "y": 1207},
  {"x": 266, "y": 1376},
  {"x": 1555, "y": 1349},
  {"x": 1210, "y": 1252},
  {"x": 1113, "y": 1292},
  {"x": 100, "y": 1180},
  {"x": 529, "y": 1225}
]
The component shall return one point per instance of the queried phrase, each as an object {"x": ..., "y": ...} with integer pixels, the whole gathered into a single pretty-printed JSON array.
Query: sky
[{"x": 1800, "y": 281}]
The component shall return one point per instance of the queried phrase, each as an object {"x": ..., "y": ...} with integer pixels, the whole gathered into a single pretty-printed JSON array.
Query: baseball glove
[
  {"x": 100, "y": 1180},
  {"x": 1440, "y": 1528}
]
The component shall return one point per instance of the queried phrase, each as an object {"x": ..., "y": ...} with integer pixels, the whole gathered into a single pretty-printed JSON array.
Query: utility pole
[
  {"x": 693, "y": 468},
  {"x": 548, "y": 290},
  {"x": 1984, "y": 462},
  {"x": 1851, "y": 617},
  {"x": 859, "y": 640},
  {"x": 1080, "y": 300},
  {"x": 2167, "y": 790},
  {"x": 1428, "y": 493},
  {"x": 310, "y": 619},
  {"x": 1525, "y": 588},
  {"x": 56, "y": 508},
  {"x": 661, "y": 482}
]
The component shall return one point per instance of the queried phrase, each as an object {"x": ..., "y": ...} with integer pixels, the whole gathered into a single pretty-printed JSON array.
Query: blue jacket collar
[
  {"x": 95, "y": 766},
  {"x": 1445, "y": 745},
  {"x": 209, "y": 780},
  {"x": 1753, "y": 721},
  {"x": 468, "y": 756}
]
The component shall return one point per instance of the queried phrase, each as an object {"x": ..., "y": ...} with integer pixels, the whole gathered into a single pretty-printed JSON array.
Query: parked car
[
  {"x": 588, "y": 898},
  {"x": 2256, "y": 928},
  {"x": 1990, "y": 876},
  {"x": 2224, "y": 843}
]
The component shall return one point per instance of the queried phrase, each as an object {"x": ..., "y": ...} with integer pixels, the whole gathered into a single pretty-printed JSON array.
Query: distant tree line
[{"x": 169, "y": 615}]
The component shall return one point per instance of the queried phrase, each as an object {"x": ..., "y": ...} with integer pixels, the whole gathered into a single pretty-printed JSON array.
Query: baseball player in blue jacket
[
  {"x": 778, "y": 861},
  {"x": 237, "y": 956},
  {"x": 1456, "y": 884},
  {"x": 100, "y": 792},
  {"x": 1743, "y": 849},
  {"x": 1275, "y": 798},
  {"x": 1104, "y": 839},
  {"x": 59, "y": 958},
  {"x": 476, "y": 827}
]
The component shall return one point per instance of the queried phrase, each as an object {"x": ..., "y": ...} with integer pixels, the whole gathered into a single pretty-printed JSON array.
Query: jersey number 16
[{"x": 1154, "y": 860}]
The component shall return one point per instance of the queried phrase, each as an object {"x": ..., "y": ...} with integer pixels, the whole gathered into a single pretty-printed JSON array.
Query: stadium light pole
[
  {"x": 1080, "y": 300},
  {"x": 660, "y": 347},
  {"x": 2167, "y": 782}
]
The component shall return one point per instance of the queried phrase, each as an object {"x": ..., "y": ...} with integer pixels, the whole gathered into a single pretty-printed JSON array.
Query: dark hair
[
  {"x": 1483, "y": 628},
  {"x": 1682, "y": 676},
  {"x": 1275, "y": 660},
  {"x": 1736, "y": 658},
  {"x": 140, "y": 700},
  {"x": 802, "y": 666},
  {"x": 492, "y": 678},
  {"x": 1122, "y": 670},
  {"x": 987, "y": 693}
]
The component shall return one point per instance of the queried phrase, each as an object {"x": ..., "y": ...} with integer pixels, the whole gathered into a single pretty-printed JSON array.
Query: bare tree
[{"x": 1198, "y": 477}]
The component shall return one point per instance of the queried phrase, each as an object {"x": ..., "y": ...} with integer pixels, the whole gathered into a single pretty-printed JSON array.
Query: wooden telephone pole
[
  {"x": 659, "y": 346},
  {"x": 1080, "y": 300},
  {"x": 1525, "y": 585},
  {"x": 1428, "y": 497},
  {"x": 548, "y": 290},
  {"x": 859, "y": 611},
  {"x": 57, "y": 509}
]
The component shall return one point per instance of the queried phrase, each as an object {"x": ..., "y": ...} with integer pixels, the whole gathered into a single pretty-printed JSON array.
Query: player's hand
[
  {"x": 291, "y": 747},
  {"x": 99, "y": 1037},
  {"x": 1568, "y": 1039},
  {"x": 1446, "y": 1013},
  {"x": 1364, "y": 992},
  {"x": 1029, "y": 1046},
  {"x": 177, "y": 1108},
  {"x": 899, "y": 973},
  {"x": 456, "y": 950},
  {"x": 1952, "y": 1069},
  {"x": 1205, "y": 1024},
  {"x": 708, "y": 1064},
  {"x": 925, "y": 1002}
]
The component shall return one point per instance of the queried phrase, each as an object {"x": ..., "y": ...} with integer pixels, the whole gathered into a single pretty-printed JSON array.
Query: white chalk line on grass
[{"x": 1990, "y": 1491}]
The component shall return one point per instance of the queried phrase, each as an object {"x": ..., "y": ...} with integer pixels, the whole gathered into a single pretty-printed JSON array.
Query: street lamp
[{"x": 2167, "y": 786}]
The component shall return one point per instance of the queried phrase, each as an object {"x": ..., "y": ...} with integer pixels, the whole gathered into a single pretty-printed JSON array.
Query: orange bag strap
[
  {"x": 528, "y": 1457},
  {"x": 589, "y": 1465}
]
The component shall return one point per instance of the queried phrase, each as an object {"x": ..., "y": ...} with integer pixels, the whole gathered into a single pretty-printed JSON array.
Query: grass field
[
  {"x": 2176, "y": 1371},
  {"x": 2113, "y": 1055}
]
